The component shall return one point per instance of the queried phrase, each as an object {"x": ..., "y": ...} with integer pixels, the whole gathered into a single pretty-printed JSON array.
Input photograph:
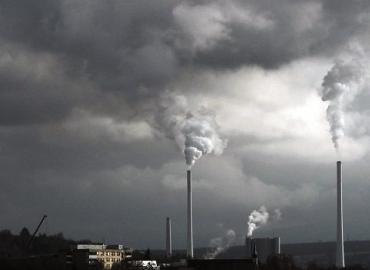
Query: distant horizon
[{"x": 80, "y": 241}]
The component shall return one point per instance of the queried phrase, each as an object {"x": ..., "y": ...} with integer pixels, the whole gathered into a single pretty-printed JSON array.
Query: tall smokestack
[
  {"x": 340, "y": 246},
  {"x": 168, "y": 238},
  {"x": 189, "y": 252}
]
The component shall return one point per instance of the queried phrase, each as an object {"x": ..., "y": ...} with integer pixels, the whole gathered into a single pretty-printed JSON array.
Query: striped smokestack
[
  {"x": 189, "y": 251},
  {"x": 168, "y": 238},
  {"x": 340, "y": 246}
]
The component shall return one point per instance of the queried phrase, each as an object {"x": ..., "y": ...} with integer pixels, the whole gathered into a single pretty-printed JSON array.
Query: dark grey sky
[{"x": 80, "y": 130}]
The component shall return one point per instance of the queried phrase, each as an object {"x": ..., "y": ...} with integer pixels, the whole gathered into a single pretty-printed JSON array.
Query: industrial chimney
[
  {"x": 340, "y": 246},
  {"x": 168, "y": 238},
  {"x": 189, "y": 251}
]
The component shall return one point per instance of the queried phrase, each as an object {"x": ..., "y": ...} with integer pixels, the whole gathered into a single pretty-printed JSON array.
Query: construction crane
[{"x": 35, "y": 232}]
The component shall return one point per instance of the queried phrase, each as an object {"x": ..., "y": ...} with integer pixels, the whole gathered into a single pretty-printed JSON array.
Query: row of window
[
  {"x": 112, "y": 260},
  {"x": 109, "y": 253}
]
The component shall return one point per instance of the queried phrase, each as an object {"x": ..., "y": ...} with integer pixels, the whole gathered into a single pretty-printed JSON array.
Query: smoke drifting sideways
[
  {"x": 260, "y": 217},
  {"x": 343, "y": 82},
  {"x": 195, "y": 132},
  {"x": 220, "y": 244}
]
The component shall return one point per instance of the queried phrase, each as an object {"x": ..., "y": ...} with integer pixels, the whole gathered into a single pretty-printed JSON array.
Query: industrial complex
[{"x": 256, "y": 250}]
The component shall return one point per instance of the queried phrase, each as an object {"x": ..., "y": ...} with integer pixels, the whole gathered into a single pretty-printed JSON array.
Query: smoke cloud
[
  {"x": 260, "y": 217},
  {"x": 256, "y": 219},
  {"x": 195, "y": 132},
  {"x": 221, "y": 243},
  {"x": 339, "y": 87},
  {"x": 277, "y": 215}
]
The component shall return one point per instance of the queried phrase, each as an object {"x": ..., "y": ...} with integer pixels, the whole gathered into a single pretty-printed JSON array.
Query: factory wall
[
  {"x": 242, "y": 264},
  {"x": 264, "y": 246}
]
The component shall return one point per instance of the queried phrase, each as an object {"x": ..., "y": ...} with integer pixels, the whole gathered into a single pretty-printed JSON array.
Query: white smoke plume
[
  {"x": 339, "y": 87},
  {"x": 256, "y": 219},
  {"x": 221, "y": 243},
  {"x": 277, "y": 215},
  {"x": 195, "y": 132}
]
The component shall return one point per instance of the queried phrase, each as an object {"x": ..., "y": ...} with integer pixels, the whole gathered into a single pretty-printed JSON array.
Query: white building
[{"x": 106, "y": 254}]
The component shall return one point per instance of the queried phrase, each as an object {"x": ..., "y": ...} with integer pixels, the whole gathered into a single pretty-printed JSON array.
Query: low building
[
  {"x": 140, "y": 265},
  {"x": 107, "y": 255},
  {"x": 222, "y": 264}
]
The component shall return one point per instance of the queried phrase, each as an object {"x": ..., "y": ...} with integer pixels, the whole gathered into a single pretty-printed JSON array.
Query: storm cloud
[{"x": 80, "y": 126}]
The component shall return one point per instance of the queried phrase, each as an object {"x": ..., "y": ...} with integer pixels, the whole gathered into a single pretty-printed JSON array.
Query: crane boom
[{"x": 35, "y": 232}]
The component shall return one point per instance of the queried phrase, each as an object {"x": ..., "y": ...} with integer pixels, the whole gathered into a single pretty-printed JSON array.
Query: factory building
[
  {"x": 222, "y": 264},
  {"x": 264, "y": 247},
  {"x": 108, "y": 255}
]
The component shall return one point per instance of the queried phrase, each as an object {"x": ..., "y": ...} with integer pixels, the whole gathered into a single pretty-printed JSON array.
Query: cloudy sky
[{"x": 82, "y": 133}]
